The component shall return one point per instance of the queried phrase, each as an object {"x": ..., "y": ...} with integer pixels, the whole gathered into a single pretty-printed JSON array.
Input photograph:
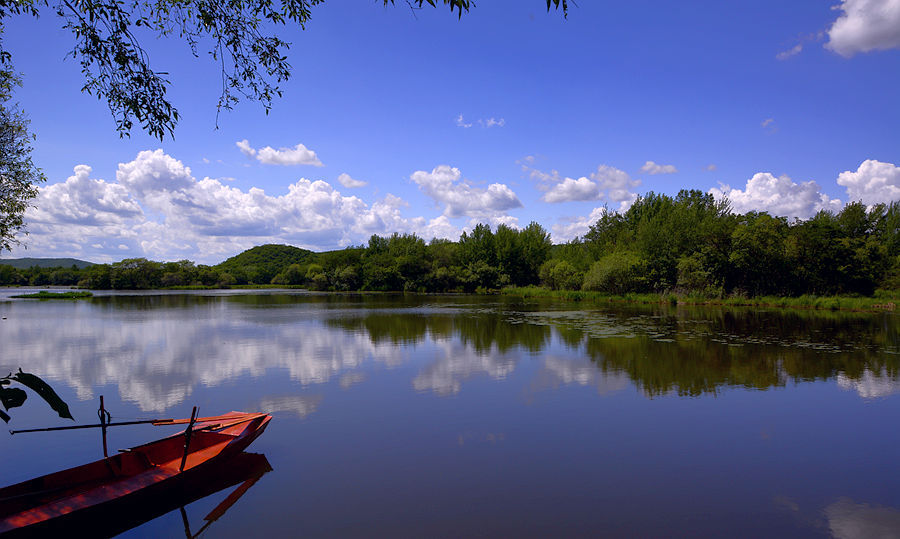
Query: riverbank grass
[
  {"x": 43, "y": 294},
  {"x": 882, "y": 301}
]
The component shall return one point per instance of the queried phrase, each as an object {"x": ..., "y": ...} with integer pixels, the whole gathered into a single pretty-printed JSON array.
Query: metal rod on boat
[
  {"x": 155, "y": 422},
  {"x": 187, "y": 438},
  {"x": 104, "y": 420},
  {"x": 96, "y": 425}
]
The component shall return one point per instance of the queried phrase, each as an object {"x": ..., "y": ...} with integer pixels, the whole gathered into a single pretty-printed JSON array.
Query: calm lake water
[{"x": 453, "y": 416}]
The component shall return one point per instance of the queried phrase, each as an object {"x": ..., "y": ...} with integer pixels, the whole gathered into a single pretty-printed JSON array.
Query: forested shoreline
[{"x": 687, "y": 244}]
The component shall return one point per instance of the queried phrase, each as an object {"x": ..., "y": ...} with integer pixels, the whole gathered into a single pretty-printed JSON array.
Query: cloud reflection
[
  {"x": 456, "y": 362},
  {"x": 870, "y": 384},
  {"x": 560, "y": 370},
  {"x": 157, "y": 362},
  {"x": 299, "y": 405},
  {"x": 850, "y": 520}
]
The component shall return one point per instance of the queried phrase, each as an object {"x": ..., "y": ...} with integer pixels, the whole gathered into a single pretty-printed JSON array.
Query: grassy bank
[
  {"x": 43, "y": 294},
  {"x": 882, "y": 301}
]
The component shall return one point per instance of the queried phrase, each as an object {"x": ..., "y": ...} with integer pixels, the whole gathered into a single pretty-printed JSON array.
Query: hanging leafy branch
[
  {"x": 237, "y": 34},
  {"x": 13, "y": 397},
  {"x": 18, "y": 174}
]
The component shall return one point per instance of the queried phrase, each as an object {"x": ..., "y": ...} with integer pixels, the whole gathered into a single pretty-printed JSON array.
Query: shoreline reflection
[{"x": 159, "y": 348}]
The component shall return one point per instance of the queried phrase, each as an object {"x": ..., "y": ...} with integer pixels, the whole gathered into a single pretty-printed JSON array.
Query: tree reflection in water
[{"x": 158, "y": 347}]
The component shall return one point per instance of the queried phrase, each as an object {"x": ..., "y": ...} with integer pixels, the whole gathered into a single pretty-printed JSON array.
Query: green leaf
[
  {"x": 12, "y": 397},
  {"x": 45, "y": 391}
]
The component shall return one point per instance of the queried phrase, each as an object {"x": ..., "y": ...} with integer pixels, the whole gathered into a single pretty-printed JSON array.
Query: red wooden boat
[{"x": 152, "y": 468}]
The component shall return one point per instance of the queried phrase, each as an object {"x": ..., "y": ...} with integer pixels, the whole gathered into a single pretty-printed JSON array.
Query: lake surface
[{"x": 450, "y": 416}]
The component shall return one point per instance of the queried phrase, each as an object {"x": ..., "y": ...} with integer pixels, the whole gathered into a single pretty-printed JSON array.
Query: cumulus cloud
[
  {"x": 606, "y": 183},
  {"x": 460, "y": 198},
  {"x": 779, "y": 196},
  {"x": 298, "y": 155},
  {"x": 569, "y": 228},
  {"x": 617, "y": 184},
  {"x": 865, "y": 25},
  {"x": 653, "y": 168},
  {"x": 570, "y": 189},
  {"x": 348, "y": 182},
  {"x": 461, "y": 122},
  {"x": 81, "y": 200},
  {"x": 872, "y": 182},
  {"x": 246, "y": 149},
  {"x": 157, "y": 209}
]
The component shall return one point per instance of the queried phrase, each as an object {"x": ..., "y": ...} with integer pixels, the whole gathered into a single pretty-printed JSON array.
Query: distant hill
[
  {"x": 25, "y": 263},
  {"x": 265, "y": 261}
]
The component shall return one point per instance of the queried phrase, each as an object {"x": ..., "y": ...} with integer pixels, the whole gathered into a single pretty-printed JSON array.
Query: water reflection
[
  {"x": 299, "y": 405},
  {"x": 455, "y": 361},
  {"x": 243, "y": 470},
  {"x": 554, "y": 424},
  {"x": 159, "y": 348},
  {"x": 564, "y": 370},
  {"x": 870, "y": 384},
  {"x": 850, "y": 520}
]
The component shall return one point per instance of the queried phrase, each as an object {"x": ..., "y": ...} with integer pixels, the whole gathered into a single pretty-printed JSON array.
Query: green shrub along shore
[
  {"x": 883, "y": 300},
  {"x": 690, "y": 248},
  {"x": 43, "y": 294}
]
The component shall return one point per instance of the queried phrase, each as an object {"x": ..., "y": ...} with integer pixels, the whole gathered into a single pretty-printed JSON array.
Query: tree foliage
[
  {"x": 689, "y": 243},
  {"x": 241, "y": 36},
  {"x": 18, "y": 174}
]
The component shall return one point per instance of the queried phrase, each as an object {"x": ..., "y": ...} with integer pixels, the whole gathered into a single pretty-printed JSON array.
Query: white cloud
[
  {"x": 793, "y": 51},
  {"x": 153, "y": 175},
  {"x": 711, "y": 167},
  {"x": 606, "y": 183},
  {"x": 873, "y": 182},
  {"x": 349, "y": 182},
  {"x": 865, "y": 25},
  {"x": 617, "y": 184},
  {"x": 484, "y": 123},
  {"x": 83, "y": 201},
  {"x": 246, "y": 149},
  {"x": 569, "y": 228},
  {"x": 570, "y": 189},
  {"x": 779, "y": 196},
  {"x": 298, "y": 155},
  {"x": 445, "y": 185},
  {"x": 492, "y": 122},
  {"x": 653, "y": 168},
  {"x": 767, "y": 122},
  {"x": 157, "y": 209}
]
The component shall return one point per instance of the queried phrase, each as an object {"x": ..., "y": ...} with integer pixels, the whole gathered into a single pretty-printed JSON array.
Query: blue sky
[{"x": 424, "y": 123}]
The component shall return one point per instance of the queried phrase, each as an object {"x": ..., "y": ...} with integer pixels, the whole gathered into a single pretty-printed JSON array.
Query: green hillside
[
  {"x": 261, "y": 263},
  {"x": 25, "y": 263}
]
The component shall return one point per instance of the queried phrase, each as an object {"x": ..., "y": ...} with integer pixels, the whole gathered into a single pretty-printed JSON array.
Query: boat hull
[{"x": 144, "y": 472}]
